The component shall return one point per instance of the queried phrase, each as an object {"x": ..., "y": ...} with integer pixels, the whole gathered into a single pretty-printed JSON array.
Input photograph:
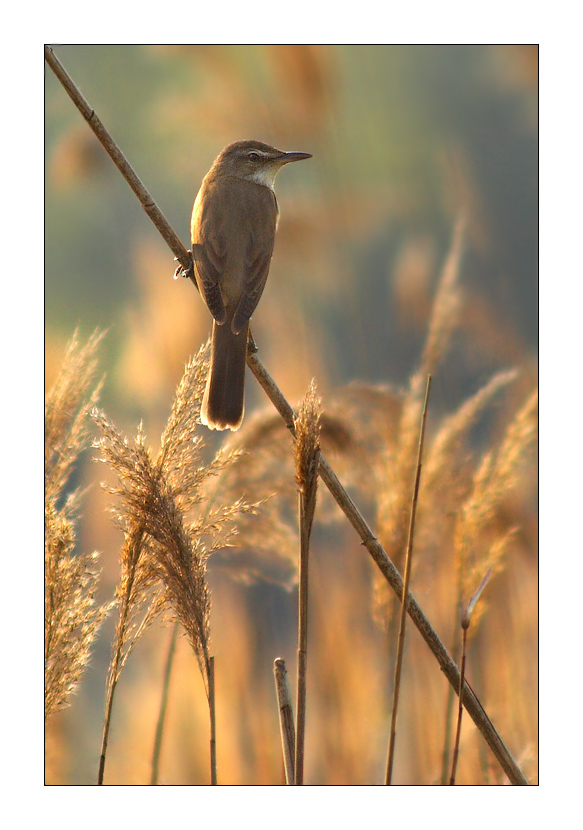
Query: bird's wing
[
  {"x": 257, "y": 260},
  {"x": 209, "y": 256}
]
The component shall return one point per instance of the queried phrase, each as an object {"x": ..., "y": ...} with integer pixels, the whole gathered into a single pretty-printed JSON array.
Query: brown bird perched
[{"x": 233, "y": 226}]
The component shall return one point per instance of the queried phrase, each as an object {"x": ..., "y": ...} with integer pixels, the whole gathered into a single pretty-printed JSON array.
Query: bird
[{"x": 234, "y": 220}]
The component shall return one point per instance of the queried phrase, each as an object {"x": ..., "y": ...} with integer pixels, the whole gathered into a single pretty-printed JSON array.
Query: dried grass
[
  {"x": 72, "y": 616},
  {"x": 169, "y": 528},
  {"x": 480, "y": 540},
  {"x": 175, "y": 510}
]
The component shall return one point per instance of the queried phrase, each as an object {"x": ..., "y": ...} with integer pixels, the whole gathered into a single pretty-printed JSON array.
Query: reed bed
[
  {"x": 208, "y": 545},
  {"x": 178, "y": 513}
]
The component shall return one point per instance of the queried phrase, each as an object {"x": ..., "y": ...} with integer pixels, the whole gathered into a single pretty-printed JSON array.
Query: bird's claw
[{"x": 181, "y": 271}]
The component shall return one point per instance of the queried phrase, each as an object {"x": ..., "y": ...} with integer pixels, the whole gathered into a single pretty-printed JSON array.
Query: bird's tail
[{"x": 223, "y": 401}]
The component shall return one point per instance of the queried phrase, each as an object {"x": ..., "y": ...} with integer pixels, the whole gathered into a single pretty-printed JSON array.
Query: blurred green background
[{"x": 404, "y": 140}]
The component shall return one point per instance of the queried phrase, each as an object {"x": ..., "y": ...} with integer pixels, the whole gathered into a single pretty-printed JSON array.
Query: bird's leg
[
  {"x": 181, "y": 271},
  {"x": 251, "y": 345}
]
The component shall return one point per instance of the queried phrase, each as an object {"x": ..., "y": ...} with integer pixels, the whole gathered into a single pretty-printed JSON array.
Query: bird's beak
[{"x": 294, "y": 155}]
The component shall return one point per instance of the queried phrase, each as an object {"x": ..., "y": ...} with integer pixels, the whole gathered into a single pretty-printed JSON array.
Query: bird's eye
[{"x": 254, "y": 156}]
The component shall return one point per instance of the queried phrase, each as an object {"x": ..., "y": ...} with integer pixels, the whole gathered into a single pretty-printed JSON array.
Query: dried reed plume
[
  {"x": 479, "y": 542},
  {"x": 446, "y": 471},
  {"x": 168, "y": 534},
  {"x": 373, "y": 433},
  {"x": 307, "y": 457},
  {"x": 72, "y": 618},
  {"x": 395, "y": 472},
  {"x": 262, "y": 464}
]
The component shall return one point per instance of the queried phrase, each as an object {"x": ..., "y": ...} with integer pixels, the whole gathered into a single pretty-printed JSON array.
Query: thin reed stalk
[
  {"x": 163, "y": 705},
  {"x": 213, "y": 720},
  {"x": 286, "y": 718},
  {"x": 307, "y": 452},
  {"x": 449, "y": 715},
  {"x": 130, "y": 557},
  {"x": 406, "y": 580},
  {"x": 458, "y": 731},
  {"x": 465, "y": 623},
  {"x": 327, "y": 475}
]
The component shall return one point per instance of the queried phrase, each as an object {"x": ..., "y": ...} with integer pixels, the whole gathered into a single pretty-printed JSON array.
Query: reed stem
[
  {"x": 163, "y": 705},
  {"x": 404, "y": 600}
]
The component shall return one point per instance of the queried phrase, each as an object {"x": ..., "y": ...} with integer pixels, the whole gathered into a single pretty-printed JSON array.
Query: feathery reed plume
[
  {"x": 72, "y": 619},
  {"x": 406, "y": 581},
  {"x": 307, "y": 457},
  {"x": 267, "y": 537},
  {"x": 443, "y": 321},
  {"x": 165, "y": 553},
  {"x": 137, "y": 592},
  {"x": 286, "y": 718},
  {"x": 465, "y": 623},
  {"x": 480, "y": 542},
  {"x": 493, "y": 479},
  {"x": 395, "y": 471},
  {"x": 263, "y": 465},
  {"x": 446, "y": 307},
  {"x": 360, "y": 430},
  {"x": 454, "y": 428},
  {"x": 67, "y": 407}
]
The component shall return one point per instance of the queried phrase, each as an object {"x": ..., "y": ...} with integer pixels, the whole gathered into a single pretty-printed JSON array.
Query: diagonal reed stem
[
  {"x": 327, "y": 474},
  {"x": 393, "y": 577},
  {"x": 119, "y": 160},
  {"x": 406, "y": 580}
]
